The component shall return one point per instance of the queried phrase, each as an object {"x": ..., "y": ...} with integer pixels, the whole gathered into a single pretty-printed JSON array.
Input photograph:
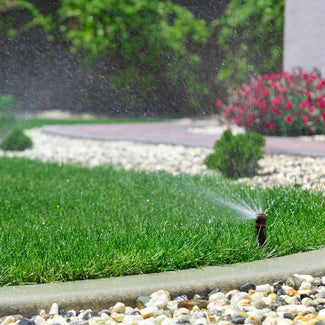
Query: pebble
[
  {"x": 232, "y": 307},
  {"x": 305, "y": 172}
]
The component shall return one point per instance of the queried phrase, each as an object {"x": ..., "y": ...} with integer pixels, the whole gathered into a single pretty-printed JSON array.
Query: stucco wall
[{"x": 304, "y": 35}]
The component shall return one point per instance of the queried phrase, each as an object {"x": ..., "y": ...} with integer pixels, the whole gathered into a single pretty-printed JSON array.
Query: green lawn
[
  {"x": 61, "y": 223},
  {"x": 28, "y": 123}
]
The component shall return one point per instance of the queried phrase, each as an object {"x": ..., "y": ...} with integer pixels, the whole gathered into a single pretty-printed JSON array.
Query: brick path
[{"x": 177, "y": 133}]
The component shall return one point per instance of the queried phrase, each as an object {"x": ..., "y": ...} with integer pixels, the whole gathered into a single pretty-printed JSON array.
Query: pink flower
[
  {"x": 304, "y": 104},
  {"x": 323, "y": 116},
  {"x": 250, "y": 120},
  {"x": 304, "y": 75},
  {"x": 275, "y": 76},
  {"x": 254, "y": 100},
  {"x": 288, "y": 119},
  {"x": 285, "y": 74},
  {"x": 218, "y": 102},
  {"x": 239, "y": 120},
  {"x": 266, "y": 77},
  {"x": 289, "y": 105},
  {"x": 240, "y": 110},
  {"x": 264, "y": 93},
  {"x": 261, "y": 104},
  {"x": 311, "y": 109},
  {"x": 321, "y": 84},
  {"x": 313, "y": 77},
  {"x": 321, "y": 104},
  {"x": 246, "y": 92},
  {"x": 305, "y": 120},
  {"x": 276, "y": 100},
  {"x": 269, "y": 125}
]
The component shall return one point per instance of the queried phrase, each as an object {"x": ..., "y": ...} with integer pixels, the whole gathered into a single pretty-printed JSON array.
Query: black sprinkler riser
[{"x": 260, "y": 228}]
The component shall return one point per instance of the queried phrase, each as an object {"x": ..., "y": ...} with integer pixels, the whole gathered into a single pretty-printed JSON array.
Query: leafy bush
[
  {"x": 279, "y": 104},
  {"x": 141, "y": 44},
  {"x": 16, "y": 140},
  {"x": 236, "y": 156},
  {"x": 7, "y": 121},
  {"x": 251, "y": 38}
]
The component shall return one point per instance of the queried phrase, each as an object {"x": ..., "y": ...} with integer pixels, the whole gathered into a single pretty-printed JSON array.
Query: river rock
[
  {"x": 247, "y": 287},
  {"x": 293, "y": 282}
]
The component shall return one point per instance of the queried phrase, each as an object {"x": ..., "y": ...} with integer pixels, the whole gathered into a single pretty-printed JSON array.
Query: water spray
[{"x": 260, "y": 228}]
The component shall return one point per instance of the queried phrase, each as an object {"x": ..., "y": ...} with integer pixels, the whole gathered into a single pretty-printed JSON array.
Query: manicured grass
[
  {"x": 61, "y": 223},
  {"x": 29, "y": 123}
]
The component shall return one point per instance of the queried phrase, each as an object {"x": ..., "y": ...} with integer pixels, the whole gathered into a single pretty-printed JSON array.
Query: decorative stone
[
  {"x": 217, "y": 296},
  {"x": 119, "y": 307},
  {"x": 239, "y": 296},
  {"x": 213, "y": 292},
  {"x": 8, "y": 320},
  {"x": 247, "y": 286},
  {"x": 96, "y": 321},
  {"x": 142, "y": 301},
  {"x": 87, "y": 315},
  {"x": 189, "y": 304},
  {"x": 132, "y": 319},
  {"x": 293, "y": 282},
  {"x": 200, "y": 321},
  {"x": 25, "y": 321},
  {"x": 180, "y": 298},
  {"x": 118, "y": 317},
  {"x": 277, "y": 302},
  {"x": 159, "y": 300},
  {"x": 148, "y": 311}
]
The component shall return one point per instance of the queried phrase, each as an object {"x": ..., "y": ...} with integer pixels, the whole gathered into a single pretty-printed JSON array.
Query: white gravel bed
[{"x": 307, "y": 172}]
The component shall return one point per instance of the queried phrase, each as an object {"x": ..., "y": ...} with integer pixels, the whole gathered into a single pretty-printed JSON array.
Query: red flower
[
  {"x": 218, "y": 102},
  {"x": 289, "y": 105},
  {"x": 321, "y": 84},
  {"x": 305, "y": 120},
  {"x": 246, "y": 92},
  {"x": 250, "y": 120},
  {"x": 285, "y": 74},
  {"x": 323, "y": 116},
  {"x": 239, "y": 120},
  {"x": 262, "y": 104},
  {"x": 304, "y": 104},
  {"x": 264, "y": 93},
  {"x": 304, "y": 75},
  {"x": 276, "y": 100},
  {"x": 269, "y": 125},
  {"x": 266, "y": 77},
  {"x": 288, "y": 119}
]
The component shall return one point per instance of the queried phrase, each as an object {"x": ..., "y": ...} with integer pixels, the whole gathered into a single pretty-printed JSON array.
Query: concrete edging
[{"x": 102, "y": 293}]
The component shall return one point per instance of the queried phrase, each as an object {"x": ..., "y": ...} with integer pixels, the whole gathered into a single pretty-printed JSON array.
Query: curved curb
[{"x": 102, "y": 293}]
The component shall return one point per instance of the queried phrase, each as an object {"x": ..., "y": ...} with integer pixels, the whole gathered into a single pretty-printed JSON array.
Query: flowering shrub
[{"x": 279, "y": 104}]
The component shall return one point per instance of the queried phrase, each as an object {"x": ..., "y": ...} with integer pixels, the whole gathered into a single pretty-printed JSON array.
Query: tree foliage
[
  {"x": 145, "y": 45},
  {"x": 251, "y": 37}
]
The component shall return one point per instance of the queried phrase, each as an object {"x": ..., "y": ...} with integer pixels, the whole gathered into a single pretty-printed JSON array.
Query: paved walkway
[{"x": 179, "y": 132}]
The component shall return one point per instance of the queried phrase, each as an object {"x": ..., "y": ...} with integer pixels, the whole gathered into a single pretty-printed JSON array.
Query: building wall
[{"x": 304, "y": 35}]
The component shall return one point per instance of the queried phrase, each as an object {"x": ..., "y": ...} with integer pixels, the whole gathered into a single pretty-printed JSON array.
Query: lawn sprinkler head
[{"x": 260, "y": 228}]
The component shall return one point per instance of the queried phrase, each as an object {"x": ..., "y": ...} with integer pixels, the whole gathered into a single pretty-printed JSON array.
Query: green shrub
[
  {"x": 16, "y": 140},
  {"x": 236, "y": 156},
  {"x": 251, "y": 38},
  {"x": 145, "y": 44}
]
